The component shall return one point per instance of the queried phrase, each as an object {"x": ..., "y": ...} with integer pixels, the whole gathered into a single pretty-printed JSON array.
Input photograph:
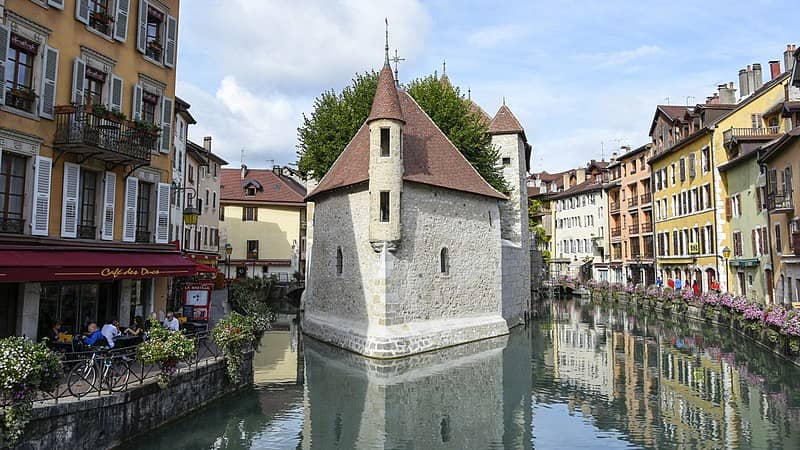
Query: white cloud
[
  {"x": 495, "y": 35},
  {"x": 609, "y": 59}
]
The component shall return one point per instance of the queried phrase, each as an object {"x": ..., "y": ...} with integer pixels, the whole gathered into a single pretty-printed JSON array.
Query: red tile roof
[
  {"x": 428, "y": 157},
  {"x": 505, "y": 122},
  {"x": 386, "y": 104},
  {"x": 274, "y": 188}
]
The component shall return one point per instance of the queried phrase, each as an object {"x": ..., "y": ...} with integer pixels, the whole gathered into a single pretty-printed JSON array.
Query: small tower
[{"x": 385, "y": 123}]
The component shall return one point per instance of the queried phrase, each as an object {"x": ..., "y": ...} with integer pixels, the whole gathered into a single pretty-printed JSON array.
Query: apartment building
[
  {"x": 203, "y": 179},
  {"x": 630, "y": 217},
  {"x": 86, "y": 127}
]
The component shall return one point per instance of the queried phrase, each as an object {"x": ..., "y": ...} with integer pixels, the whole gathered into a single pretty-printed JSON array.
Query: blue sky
[{"x": 581, "y": 76}]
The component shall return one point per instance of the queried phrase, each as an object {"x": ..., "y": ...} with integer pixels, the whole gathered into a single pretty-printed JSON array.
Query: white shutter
[
  {"x": 82, "y": 11},
  {"x": 141, "y": 38},
  {"x": 172, "y": 37},
  {"x": 5, "y": 40},
  {"x": 115, "y": 94},
  {"x": 162, "y": 214},
  {"x": 40, "y": 217},
  {"x": 136, "y": 106},
  {"x": 78, "y": 78},
  {"x": 166, "y": 123},
  {"x": 70, "y": 202},
  {"x": 121, "y": 20},
  {"x": 56, "y": 3},
  {"x": 109, "y": 196},
  {"x": 129, "y": 220},
  {"x": 47, "y": 102}
]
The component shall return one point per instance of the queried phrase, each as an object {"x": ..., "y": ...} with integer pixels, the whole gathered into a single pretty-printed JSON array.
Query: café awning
[{"x": 68, "y": 265}]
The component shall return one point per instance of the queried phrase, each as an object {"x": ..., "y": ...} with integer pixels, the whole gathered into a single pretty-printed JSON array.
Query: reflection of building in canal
[
  {"x": 475, "y": 395},
  {"x": 276, "y": 360},
  {"x": 581, "y": 357}
]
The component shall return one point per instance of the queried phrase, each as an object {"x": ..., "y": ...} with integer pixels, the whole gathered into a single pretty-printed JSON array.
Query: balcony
[
  {"x": 646, "y": 198},
  {"x": 87, "y": 232},
  {"x": 614, "y": 208},
  {"x": 79, "y": 130},
  {"x": 616, "y": 232},
  {"x": 15, "y": 226},
  {"x": 633, "y": 229},
  {"x": 143, "y": 236},
  {"x": 633, "y": 202},
  {"x": 749, "y": 134},
  {"x": 780, "y": 202},
  {"x": 647, "y": 227}
]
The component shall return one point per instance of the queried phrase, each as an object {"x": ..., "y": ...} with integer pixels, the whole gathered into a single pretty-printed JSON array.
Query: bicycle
[{"x": 113, "y": 374}]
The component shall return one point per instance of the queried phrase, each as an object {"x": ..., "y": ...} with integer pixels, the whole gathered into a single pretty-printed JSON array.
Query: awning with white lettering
[{"x": 68, "y": 265}]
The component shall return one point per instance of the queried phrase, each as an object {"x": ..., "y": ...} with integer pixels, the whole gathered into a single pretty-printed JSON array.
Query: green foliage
[
  {"x": 165, "y": 348},
  {"x": 25, "y": 369},
  {"x": 235, "y": 334},
  {"x": 333, "y": 123},
  {"x": 249, "y": 297},
  {"x": 337, "y": 117},
  {"x": 466, "y": 130}
]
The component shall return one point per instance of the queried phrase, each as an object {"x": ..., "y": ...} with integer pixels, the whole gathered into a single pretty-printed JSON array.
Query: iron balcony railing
[
  {"x": 763, "y": 132},
  {"x": 15, "y": 226},
  {"x": 780, "y": 202},
  {"x": 646, "y": 198},
  {"x": 616, "y": 231},
  {"x": 647, "y": 227},
  {"x": 105, "y": 137},
  {"x": 87, "y": 231},
  {"x": 633, "y": 229},
  {"x": 614, "y": 207},
  {"x": 633, "y": 201}
]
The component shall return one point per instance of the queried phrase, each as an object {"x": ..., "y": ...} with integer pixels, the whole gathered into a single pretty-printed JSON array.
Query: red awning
[
  {"x": 57, "y": 265},
  {"x": 202, "y": 268}
]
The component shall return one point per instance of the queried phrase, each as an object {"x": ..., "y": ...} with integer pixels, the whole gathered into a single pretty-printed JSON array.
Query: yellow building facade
[{"x": 86, "y": 128}]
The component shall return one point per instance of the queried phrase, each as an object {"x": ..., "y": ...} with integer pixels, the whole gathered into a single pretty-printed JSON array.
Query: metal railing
[
  {"x": 646, "y": 227},
  {"x": 87, "y": 231},
  {"x": 633, "y": 201},
  {"x": 616, "y": 231},
  {"x": 779, "y": 201},
  {"x": 730, "y": 134},
  {"x": 127, "y": 368},
  {"x": 614, "y": 207},
  {"x": 646, "y": 198},
  {"x": 78, "y": 126},
  {"x": 16, "y": 226},
  {"x": 633, "y": 229}
]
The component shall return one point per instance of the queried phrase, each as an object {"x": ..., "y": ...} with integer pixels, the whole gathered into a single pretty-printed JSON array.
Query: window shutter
[
  {"x": 121, "y": 20},
  {"x": 41, "y": 196},
  {"x": 172, "y": 37},
  {"x": 136, "y": 105},
  {"x": 758, "y": 199},
  {"x": 78, "y": 77},
  {"x": 162, "y": 214},
  {"x": 5, "y": 40},
  {"x": 59, "y": 4},
  {"x": 772, "y": 181},
  {"x": 115, "y": 97},
  {"x": 82, "y": 11},
  {"x": 755, "y": 245},
  {"x": 166, "y": 123},
  {"x": 69, "y": 203},
  {"x": 787, "y": 182},
  {"x": 129, "y": 219},
  {"x": 109, "y": 197},
  {"x": 728, "y": 208},
  {"x": 47, "y": 102},
  {"x": 141, "y": 38}
]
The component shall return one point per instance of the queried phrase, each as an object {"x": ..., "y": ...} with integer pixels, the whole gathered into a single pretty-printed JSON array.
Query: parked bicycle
[{"x": 102, "y": 370}]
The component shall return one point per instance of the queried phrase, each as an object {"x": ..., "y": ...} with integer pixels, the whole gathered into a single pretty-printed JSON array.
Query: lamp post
[
  {"x": 228, "y": 251},
  {"x": 726, "y": 253},
  {"x": 190, "y": 212}
]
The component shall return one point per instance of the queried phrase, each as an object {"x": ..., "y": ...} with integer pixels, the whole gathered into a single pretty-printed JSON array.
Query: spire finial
[
  {"x": 396, "y": 60},
  {"x": 469, "y": 93},
  {"x": 386, "y": 61},
  {"x": 504, "y": 100},
  {"x": 444, "y": 67}
]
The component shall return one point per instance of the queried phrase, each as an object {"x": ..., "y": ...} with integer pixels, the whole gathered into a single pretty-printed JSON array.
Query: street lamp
[
  {"x": 190, "y": 212},
  {"x": 228, "y": 251},
  {"x": 726, "y": 253}
]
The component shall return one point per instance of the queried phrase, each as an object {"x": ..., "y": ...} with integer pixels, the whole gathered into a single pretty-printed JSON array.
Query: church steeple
[
  {"x": 386, "y": 104},
  {"x": 386, "y": 49}
]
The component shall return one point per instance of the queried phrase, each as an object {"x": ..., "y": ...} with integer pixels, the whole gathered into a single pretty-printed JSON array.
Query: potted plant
[
  {"x": 24, "y": 93},
  {"x": 155, "y": 45},
  {"x": 165, "y": 348},
  {"x": 235, "y": 334},
  {"x": 25, "y": 369},
  {"x": 102, "y": 18}
]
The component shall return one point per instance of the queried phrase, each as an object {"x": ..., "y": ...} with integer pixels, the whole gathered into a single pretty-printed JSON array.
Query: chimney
[
  {"x": 580, "y": 176},
  {"x": 751, "y": 81},
  {"x": 566, "y": 181},
  {"x": 757, "y": 76},
  {"x": 727, "y": 94},
  {"x": 614, "y": 156},
  {"x": 744, "y": 88},
  {"x": 207, "y": 143},
  {"x": 788, "y": 57},
  {"x": 774, "y": 69},
  {"x": 276, "y": 170},
  {"x": 244, "y": 171}
]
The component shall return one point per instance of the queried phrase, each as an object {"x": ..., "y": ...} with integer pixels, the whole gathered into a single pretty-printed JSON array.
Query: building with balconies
[{"x": 86, "y": 127}]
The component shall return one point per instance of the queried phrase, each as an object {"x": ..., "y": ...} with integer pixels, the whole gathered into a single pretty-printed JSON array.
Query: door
[
  {"x": 9, "y": 295},
  {"x": 742, "y": 285}
]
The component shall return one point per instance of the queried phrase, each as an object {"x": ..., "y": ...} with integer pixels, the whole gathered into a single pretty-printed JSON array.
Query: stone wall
[{"x": 107, "y": 421}]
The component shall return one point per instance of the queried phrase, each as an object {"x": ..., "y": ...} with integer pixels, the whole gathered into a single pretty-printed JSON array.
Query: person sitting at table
[
  {"x": 171, "y": 323},
  {"x": 94, "y": 335},
  {"x": 136, "y": 329},
  {"x": 55, "y": 333},
  {"x": 110, "y": 331}
]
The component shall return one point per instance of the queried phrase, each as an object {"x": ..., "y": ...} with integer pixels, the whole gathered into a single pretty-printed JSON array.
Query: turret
[
  {"x": 508, "y": 137},
  {"x": 385, "y": 164}
]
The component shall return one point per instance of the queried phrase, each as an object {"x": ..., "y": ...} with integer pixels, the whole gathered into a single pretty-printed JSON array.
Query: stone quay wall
[{"x": 109, "y": 420}]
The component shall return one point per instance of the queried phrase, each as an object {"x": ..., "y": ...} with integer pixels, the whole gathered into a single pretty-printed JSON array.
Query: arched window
[
  {"x": 339, "y": 261},
  {"x": 444, "y": 261}
]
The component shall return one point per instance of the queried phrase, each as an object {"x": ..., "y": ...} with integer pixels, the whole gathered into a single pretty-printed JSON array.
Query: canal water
[{"x": 581, "y": 376}]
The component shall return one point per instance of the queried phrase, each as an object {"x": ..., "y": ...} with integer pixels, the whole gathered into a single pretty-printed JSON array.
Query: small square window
[
  {"x": 506, "y": 162},
  {"x": 251, "y": 191}
]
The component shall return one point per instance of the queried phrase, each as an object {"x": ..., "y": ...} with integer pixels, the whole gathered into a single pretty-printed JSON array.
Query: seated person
[
  {"x": 55, "y": 333},
  {"x": 94, "y": 335},
  {"x": 110, "y": 331},
  {"x": 171, "y": 323},
  {"x": 137, "y": 328}
]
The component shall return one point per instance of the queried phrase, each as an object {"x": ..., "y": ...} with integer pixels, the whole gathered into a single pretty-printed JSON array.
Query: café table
[{"x": 125, "y": 340}]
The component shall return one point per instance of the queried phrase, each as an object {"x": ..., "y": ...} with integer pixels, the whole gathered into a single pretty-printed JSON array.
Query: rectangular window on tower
[
  {"x": 384, "y": 204},
  {"x": 384, "y": 142}
]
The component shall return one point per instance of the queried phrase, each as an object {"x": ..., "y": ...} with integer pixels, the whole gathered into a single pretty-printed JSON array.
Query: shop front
[{"x": 41, "y": 286}]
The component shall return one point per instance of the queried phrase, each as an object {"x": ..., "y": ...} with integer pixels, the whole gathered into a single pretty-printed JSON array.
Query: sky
[{"x": 583, "y": 77}]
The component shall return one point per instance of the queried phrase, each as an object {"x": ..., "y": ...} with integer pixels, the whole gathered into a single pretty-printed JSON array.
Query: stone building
[
  {"x": 203, "y": 177},
  {"x": 86, "y": 128},
  {"x": 413, "y": 249}
]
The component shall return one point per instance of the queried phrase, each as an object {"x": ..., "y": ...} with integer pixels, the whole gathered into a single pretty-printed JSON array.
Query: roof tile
[{"x": 276, "y": 189}]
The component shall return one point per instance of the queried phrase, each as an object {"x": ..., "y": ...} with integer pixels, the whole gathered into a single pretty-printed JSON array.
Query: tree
[{"x": 337, "y": 117}]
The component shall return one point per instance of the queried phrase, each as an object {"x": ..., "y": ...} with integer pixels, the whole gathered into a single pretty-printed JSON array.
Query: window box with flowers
[
  {"x": 154, "y": 49},
  {"x": 101, "y": 22},
  {"x": 21, "y": 98}
]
